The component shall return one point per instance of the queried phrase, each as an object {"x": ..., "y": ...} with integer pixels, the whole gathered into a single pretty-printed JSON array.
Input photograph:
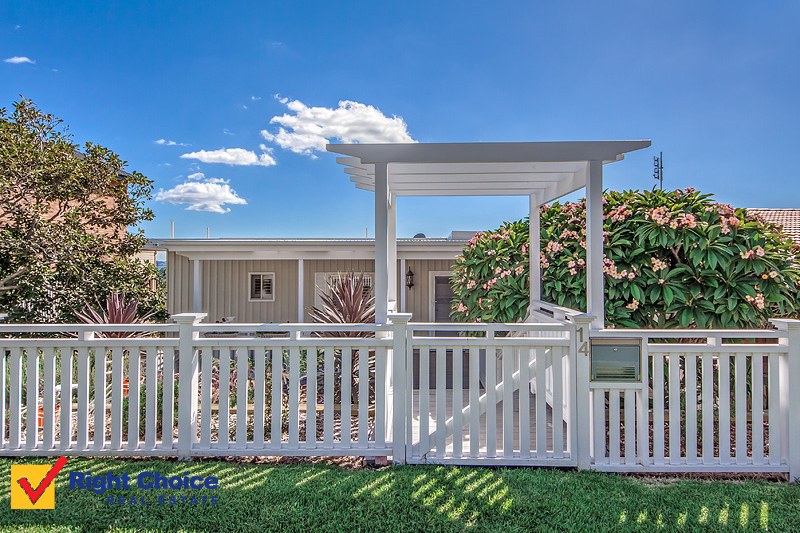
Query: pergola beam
[{"x": 516, "y": 152}]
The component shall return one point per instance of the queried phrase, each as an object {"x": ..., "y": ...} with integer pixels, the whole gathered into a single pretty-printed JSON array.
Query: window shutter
[
  {"x": 367, "y": 285},
  {"x": 262, "y": 286},
  {"x": 255, "y": 286},
  {"x": 266, "y": 286}
]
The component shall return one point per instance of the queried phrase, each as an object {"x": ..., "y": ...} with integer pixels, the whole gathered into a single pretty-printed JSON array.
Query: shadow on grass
[{"x": 328, "y": 498}]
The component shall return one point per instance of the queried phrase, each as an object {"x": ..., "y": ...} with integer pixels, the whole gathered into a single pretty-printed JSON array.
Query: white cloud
[
  {"x": 202, "y": 194},
  {"x": 226, "y": 131},
  {"x": 231, "y": 156},
  {"x": 308, "y": 129},
  {"x": 16, "y": 60},
  {"x": 166, "y": 142},
  {"x": 255, "y": 98}
]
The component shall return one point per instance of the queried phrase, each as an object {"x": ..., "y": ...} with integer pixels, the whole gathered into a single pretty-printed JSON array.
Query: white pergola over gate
[{"x": 543, "y": 171}]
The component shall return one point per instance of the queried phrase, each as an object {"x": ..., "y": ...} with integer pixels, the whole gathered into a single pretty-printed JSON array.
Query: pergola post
[
  {"x": 595, "y": 296},
  {"x": 381, "y": 281},
  {"x": 534, "y": 248}
]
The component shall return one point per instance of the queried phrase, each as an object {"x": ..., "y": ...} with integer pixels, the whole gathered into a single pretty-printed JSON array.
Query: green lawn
[{"x": 414, "y": 498}]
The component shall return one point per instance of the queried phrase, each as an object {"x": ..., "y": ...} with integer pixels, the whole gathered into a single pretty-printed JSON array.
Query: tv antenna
[{"x": 658, "y": 170}]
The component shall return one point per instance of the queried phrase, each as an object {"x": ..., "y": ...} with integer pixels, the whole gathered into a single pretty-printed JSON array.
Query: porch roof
[
  {"x": 292, "y": 249},
  {"x": 548, "y": 170}
]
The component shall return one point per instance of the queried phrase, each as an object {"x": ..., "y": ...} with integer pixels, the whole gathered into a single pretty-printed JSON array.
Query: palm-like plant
[
  {"x": 117, "y": 311},
  {"x": 347, "y": 300}
]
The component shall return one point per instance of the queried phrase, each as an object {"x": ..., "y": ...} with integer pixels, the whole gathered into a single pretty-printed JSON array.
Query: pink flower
[
  {"x": 758, "y": 301},
  {"x": 658, "y": 264},
  {"x": 633, "y": 305}
]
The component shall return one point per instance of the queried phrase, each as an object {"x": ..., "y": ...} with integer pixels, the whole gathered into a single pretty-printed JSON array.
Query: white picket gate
[
  {"x": 502, "y": 394},
  {"x": 495, "y": 418}
]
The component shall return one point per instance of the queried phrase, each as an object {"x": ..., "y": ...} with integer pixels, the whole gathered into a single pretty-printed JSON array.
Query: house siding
[
  {"x": 180, "y": 280},
  {"x": 225, "y": 286},
  {"x": 418, "y": 299},
  {"x": 226, "y": 291}
]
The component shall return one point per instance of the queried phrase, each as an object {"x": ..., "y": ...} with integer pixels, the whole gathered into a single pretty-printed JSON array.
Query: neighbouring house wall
[{"x": 148, "y": 256}]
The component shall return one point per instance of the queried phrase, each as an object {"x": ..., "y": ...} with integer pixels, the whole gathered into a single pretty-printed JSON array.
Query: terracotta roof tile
[{"x": 788, "y": 219}]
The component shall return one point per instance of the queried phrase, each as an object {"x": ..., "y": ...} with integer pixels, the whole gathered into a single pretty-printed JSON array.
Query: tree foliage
[
  {"x": 65, "y": 216},
  {"x": 672, "y": 259}
]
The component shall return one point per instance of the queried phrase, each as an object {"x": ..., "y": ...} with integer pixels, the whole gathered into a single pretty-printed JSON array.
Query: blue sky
[{"x": 713, "y": 84}]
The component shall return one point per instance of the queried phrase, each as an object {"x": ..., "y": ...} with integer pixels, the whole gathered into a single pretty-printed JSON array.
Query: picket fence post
[
  {"x": 188, "y": 381},
  {"x": 583, "y": 420},
  {"x": 399, "y": 385},
  {"x": 790, "y": 393}
]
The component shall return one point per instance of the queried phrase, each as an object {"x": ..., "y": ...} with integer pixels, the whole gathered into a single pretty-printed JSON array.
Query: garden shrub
[{"x": 671, "y": 259}]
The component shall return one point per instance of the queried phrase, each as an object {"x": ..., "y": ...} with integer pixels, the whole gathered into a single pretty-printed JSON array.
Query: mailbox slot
[{"x": 616, "y": 360}]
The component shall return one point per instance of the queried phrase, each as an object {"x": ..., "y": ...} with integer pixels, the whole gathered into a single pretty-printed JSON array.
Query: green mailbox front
[{"x": 616, "y": 360}]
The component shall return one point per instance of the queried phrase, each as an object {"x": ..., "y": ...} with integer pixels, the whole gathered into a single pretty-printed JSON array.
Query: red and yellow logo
[{"x": 33, "y": 487}]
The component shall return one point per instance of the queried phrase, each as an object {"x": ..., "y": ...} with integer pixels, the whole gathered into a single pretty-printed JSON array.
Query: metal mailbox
[{"x": 616, "y": 360}]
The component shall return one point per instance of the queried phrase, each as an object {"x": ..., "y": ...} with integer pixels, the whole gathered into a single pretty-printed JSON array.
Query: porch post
[
  {"x": 403, "y": 288},
  {"x": 595, "y": 298},
  {"x": 381, "y": 242},
  {"x": 534, "y": 247},
  {"x": 197, "y": 271},
  {"x": 300, "y": 286},
  {"x": 392, "y": 252}
]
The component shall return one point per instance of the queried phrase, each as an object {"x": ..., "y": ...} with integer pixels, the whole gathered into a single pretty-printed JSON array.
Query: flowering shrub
[{"x": 672, "y": 259}]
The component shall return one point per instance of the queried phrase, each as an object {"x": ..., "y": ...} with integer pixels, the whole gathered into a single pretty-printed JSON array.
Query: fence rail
[{"x": 707, "y": 400}]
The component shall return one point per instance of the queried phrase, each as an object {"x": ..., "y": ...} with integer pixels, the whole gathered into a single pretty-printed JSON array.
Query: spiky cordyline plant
[
  {"x": 117, "y": 311},
  {"x": 347, "y": 301}
]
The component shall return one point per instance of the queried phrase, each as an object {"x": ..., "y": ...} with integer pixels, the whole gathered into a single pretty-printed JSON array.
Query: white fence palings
[{"x": 719, "y": 402}]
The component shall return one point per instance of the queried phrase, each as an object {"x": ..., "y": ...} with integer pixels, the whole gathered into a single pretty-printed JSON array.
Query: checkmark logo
[{"x": 23, "y": 477}]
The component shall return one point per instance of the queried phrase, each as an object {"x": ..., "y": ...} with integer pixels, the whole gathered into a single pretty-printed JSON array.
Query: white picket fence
[
  {"x": 719, "y": 403},
  {"x": 503, "y": 394}
]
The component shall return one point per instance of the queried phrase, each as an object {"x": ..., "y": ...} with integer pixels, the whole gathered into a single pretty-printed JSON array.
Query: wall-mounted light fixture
[{"x": 409, "y": 278}]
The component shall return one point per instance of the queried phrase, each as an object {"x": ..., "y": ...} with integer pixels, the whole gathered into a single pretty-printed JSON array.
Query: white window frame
[
  {"x": 321, "y": 280},
  {"x": 250, "y": 281}
]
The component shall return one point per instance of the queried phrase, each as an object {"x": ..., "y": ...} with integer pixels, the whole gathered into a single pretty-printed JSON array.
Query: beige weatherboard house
[{"x": 279, "y": 280}]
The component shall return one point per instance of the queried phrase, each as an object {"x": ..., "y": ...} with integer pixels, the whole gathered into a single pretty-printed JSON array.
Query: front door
[{"x": 442, "y": 294}]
